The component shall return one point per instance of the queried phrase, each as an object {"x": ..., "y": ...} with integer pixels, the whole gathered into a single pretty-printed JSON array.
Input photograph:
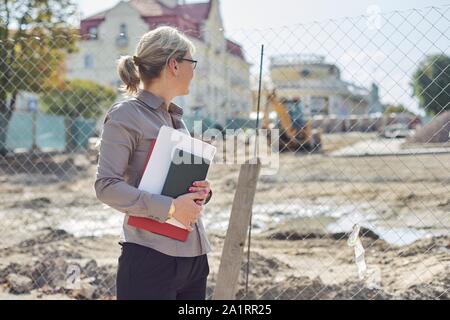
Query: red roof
[
  {"x": 197, "y": 11},
  {"x": 234, "y": 48},
  {"x": 150, "y": 8},
  {"x": 185, "y": 17}
]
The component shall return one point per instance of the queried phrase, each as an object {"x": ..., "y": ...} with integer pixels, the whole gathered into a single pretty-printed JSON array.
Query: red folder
[{"x": 165, "y": 229}]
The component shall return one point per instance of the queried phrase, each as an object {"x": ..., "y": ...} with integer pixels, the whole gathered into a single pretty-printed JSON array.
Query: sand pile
[{"x": 436, "y": 131}]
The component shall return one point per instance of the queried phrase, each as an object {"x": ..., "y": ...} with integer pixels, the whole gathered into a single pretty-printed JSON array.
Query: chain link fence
[{"x": 358, "y": 207}]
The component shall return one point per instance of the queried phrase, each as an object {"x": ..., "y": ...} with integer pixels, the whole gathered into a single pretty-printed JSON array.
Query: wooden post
[{"x": 233, "y": 249}]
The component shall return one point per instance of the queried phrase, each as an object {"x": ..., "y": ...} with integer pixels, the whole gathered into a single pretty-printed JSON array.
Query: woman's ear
[{"x": 173, "y": 66}]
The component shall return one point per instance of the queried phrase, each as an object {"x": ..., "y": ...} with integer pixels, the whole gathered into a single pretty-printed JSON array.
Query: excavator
[{"x": 296, "y": 133}]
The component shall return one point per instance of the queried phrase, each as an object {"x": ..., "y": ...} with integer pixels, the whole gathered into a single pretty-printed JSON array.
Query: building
[
  {"x": 26, "y": 101},
  {"x": 221, "y": 86},
  {"x": 318, "y": 85}
]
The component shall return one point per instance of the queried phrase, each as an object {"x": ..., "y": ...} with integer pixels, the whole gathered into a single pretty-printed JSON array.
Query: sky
[
  {"x": 384, "y": 51},
  {"x": 251, "y": 14}
]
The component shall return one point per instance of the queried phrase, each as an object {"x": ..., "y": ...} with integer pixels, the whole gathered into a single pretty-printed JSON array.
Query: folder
[
  {"x": 174, "y": 161},
  {"x": 185, "y": 168}
]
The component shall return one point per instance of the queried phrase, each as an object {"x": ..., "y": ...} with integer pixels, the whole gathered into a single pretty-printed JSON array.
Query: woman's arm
[{"x": 118, "y": 142}]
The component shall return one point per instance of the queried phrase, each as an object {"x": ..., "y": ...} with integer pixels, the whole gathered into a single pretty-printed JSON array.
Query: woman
[{"x": 152, "y": 266}]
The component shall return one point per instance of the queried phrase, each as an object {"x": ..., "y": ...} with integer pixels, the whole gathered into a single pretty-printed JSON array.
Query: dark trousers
[{"x": 147, "y": 274}]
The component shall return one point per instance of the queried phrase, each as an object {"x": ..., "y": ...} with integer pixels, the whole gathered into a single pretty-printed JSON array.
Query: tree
[
  {"x": 76, "y": 98},
  {"x": 32, "y": 54},
  {"x": 393, "y": 108},
  {"x": 431, "y": 84}
]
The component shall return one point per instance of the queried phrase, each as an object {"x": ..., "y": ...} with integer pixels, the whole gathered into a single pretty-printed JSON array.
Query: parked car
[{"x": 397, "y": 130}]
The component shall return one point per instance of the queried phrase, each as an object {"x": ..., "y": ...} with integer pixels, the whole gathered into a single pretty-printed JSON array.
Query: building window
[
  {"x": 123, "y": 32},
  {"x": 122, "y": 39},
  {"x": 88, "y": 61},
  {"x": 93, "y": 32}
]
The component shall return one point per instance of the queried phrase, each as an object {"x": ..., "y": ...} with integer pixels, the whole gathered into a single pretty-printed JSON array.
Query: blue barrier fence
[
  {"x": 81, "y": 130},
  {"x": 48, "y": 132},
  {"x": 20, "y": 132},
  {"x": 57, "y": 133},
  {"x": 241, "y": 123},
  {"x": 231, "y": 123}
]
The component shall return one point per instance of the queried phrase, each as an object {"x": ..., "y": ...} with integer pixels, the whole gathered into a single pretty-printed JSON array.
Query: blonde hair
[{"x": 153, "y": 52}]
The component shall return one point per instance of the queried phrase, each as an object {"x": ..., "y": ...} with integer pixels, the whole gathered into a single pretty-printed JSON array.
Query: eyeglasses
[{"x": 194, "y": 62}]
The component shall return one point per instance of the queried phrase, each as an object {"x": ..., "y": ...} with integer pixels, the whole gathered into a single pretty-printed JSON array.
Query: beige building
[
  {"x": 318, "y": 85},
  {"x": 221, "y": 87}
]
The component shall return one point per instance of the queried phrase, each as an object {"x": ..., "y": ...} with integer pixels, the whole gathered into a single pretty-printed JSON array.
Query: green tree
[
  {"x": 77, "y": 98},
  {"x": 393, "y": 108},
  {"x": 431, "y": 84},
  {"x": 34, "y": 39}
]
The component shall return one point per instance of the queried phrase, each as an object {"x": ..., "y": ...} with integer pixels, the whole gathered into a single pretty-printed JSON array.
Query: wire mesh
[{"x": 366, "y": 144}]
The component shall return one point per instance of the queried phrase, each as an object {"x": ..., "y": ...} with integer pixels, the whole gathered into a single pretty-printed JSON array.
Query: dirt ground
[{"x": 53, "y": 228}]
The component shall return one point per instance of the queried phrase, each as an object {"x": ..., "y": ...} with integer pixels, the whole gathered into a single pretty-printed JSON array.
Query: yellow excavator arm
[
  {"x": 291, "y": 138},
  {"x": 283, "y": 114}
]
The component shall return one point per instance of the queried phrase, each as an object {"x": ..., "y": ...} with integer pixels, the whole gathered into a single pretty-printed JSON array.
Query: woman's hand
[
  {"x": 187, "y": 211},
  {"x": 200, "y": 186}
]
